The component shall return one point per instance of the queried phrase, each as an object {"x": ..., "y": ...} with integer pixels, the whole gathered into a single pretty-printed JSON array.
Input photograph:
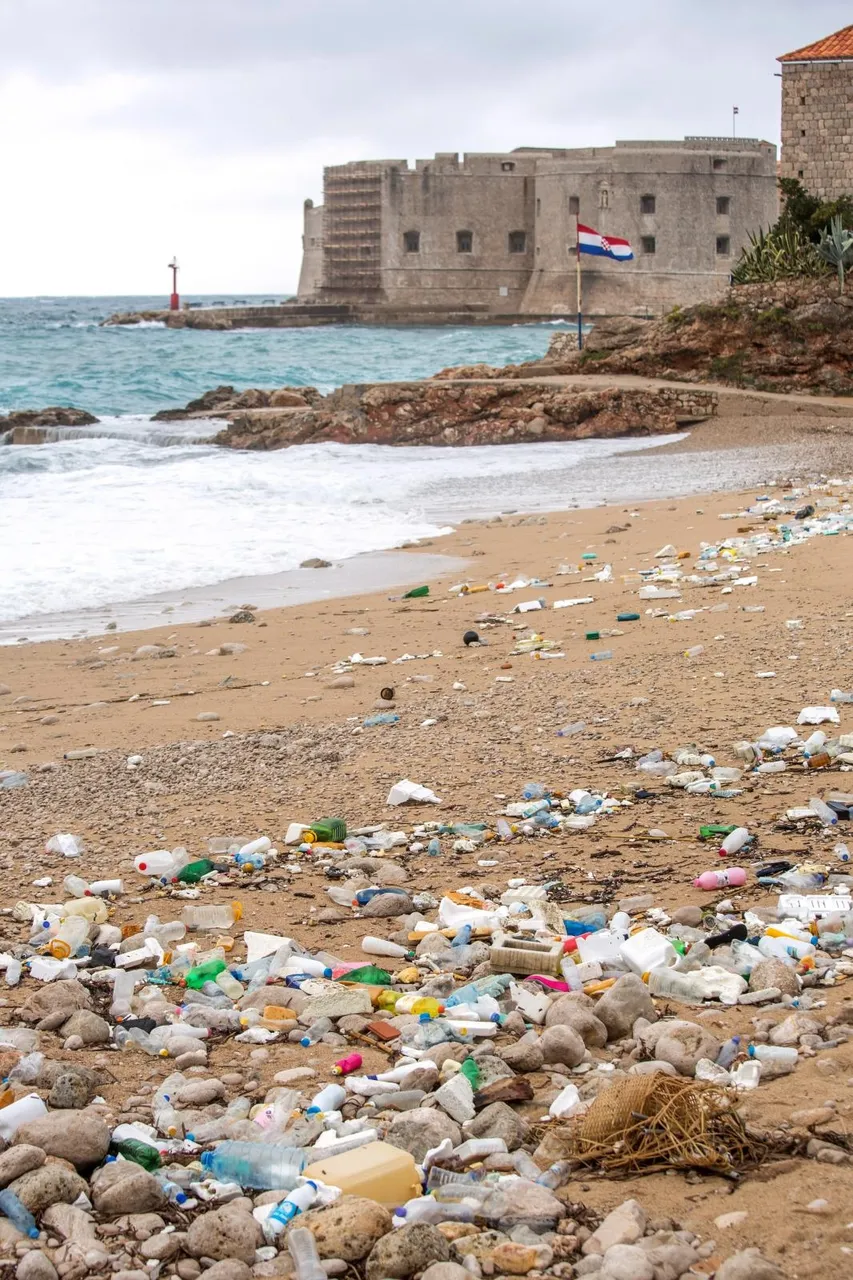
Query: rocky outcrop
[
  {"x": 444, "y": 413},
  {"x": 792, "y": 336},
  {"x": 201, "y": 319},
  {"x": 223, "y": 401},
  {"x": 54, "y": 416}
]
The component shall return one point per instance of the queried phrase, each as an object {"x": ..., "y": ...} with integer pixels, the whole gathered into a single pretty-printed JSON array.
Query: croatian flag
[{"x": 590, "y": 241}]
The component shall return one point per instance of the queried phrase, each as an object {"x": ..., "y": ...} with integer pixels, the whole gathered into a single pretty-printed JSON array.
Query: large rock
[
  {"x": 403, "y": 1252},
  {"x": 228, "y": 1269},
  {"x": 680, "y": 1043},
  {"x": 788, "y": 1031},
  {"x": 49, "y": 1185},
  {"x": 387, "y": 904},
  {"x": 88, "y": 1026},
  {"x": 774, "y": 973},
  {"x": 562, "y": 1045},
  {"x": 17, "y": 1161},
  {"x": 229, "y": 1232},
  {"x": 80, "y": 1137},
  {"x": 749, "y": 1265},
  {"x": 125, "y": 1187},
  {"x": 626, "y": 1001},
  {"x": 347, "y": 1229},
  {"x": 35, "y": 1265},
  {"x": 525, "y": 1056},
  {"x": 53, "y": 997},
  {"x": 568, "y": 1011},
  {"x": 499, "y": 1121},
  {"x": 420, "y": 1130},
  {"x": 626, "y": 1262},
  {"x": 70, "y": 1092},
  {"x": 623, "y": 1225}
]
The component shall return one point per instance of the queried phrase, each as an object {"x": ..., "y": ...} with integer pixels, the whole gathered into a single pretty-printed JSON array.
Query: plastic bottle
[
  {"x": 346, "y": 1066},
  {"x": 18, "y": 1214},
  {"x": 175, "y": 1193},
  {"x": 303, "y": 1251},
  {"x": 814, "y": 743},
  {"x": 318, "y": 1029},
  {"x": 229, "y": 984},
  {"x": 728, "y": 1052},
  {"x": 70, "y": 937},
  {"x": 603, "y": 655},
  {"x": 784, "y": 948},
  {"x": 161, "y": 862},
  {"x": 134, "y": 1038},
  {"x": 734, "y": 842},
  {"x": 202, "y": 973},
  {"x": 733, "y": 877},
  {"x": 775, "y": 1053},
  {"x": 123, "y": 985},
  {"x": 827, "y": 816},
  {"x": 261, "y": 1166},
  {"x": 382, "y": 947},
  {"x": 285, "y": 1211},
  {"x": 331, "y": 1098},
  {"x": 139, "y": 1152},
  {"x": 209, "y": 917},
  {"x": 381, "y": 717},
  {"x": 326, "y": 831},
  {"x": 193, "y": 872},
  {"x": 76, "y": 886}
]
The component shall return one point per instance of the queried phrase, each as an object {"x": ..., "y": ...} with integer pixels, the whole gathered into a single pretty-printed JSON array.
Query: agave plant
[
  {"x": 782, "y": 253},
  {"x": 836, "y": 247}
]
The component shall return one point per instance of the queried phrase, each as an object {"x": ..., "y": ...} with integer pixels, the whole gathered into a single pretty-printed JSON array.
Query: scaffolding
[{"x": 352, "y": 223}]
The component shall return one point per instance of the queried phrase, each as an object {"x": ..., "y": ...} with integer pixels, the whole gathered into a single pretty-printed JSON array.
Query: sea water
[{"x": 128, "y": 507}]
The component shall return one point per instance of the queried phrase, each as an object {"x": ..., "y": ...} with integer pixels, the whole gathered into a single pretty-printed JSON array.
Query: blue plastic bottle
[{"x": 18, "y": 1214}]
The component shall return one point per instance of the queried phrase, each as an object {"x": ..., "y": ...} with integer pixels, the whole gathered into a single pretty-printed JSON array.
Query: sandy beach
[{"x": 475, "y": 724}]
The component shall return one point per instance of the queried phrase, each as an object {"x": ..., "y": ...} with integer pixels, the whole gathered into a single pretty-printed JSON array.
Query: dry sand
[{"x": 298, "y": 752}]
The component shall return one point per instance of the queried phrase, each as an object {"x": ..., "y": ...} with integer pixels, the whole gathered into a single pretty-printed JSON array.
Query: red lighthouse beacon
[{"x": 174, "y": 301}]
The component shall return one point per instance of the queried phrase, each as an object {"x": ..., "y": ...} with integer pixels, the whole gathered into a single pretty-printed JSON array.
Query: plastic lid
[
  {"x": 206, "y": 1156},
  {"x": 424, "y": 1017},
  {"x": 180, "y": 1197},
  {"x": 327, "y": 973},
  {"x": 305, "y": 1042}
]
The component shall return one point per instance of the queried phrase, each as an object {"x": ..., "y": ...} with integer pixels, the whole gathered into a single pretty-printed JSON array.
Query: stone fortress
[
  {"x": 494, "y": 235},
  {"x": 497, "y": 233}
]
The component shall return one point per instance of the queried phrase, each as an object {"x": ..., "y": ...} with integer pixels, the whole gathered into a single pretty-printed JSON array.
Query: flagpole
[{"x": 580, "y": 286}]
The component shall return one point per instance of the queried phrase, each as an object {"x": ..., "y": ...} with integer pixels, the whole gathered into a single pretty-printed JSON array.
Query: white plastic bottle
[
  {"x": 778, "y": 1054},
  {"x": 382, "y": 947},
  {"x": 123, "y": 985},
  {"x": 70, "y": 936},
  {"x": 734, "y": 841}
]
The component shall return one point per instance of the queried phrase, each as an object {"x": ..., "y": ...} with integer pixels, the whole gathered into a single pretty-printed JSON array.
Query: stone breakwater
[{"x": 447, "y": 413}]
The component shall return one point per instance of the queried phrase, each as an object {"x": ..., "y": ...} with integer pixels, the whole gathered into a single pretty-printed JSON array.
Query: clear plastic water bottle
[
  {"x": 316, "y": 1032},
  {"x": 303, "y": 1251},
  {"x": 260, "y": 1166}
]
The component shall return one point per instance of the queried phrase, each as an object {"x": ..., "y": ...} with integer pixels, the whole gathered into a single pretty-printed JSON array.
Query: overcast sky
[{"x": 131, "y": 130}]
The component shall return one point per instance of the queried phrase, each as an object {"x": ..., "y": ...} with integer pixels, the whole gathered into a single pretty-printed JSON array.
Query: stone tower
[{"x": 817, "y": 115}]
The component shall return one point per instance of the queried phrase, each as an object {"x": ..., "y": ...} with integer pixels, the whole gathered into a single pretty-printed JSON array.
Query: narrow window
[
  {"x": 723, "y": 204},
  {"x": 802, "y": 133},
  {"x": 574, "y": 204},
  {"x": 723, "y": 246},
  {"x": 719, "y": 164},
  {"x": 538, "y": 207},
  {"x": 464, "y": 241},
  {"x": 648, "y": 244},
  {"x": 517, "y": 241},
  {"x": 508, "y": 166},
  {"x": 802, "y": 101},
  {"x": 412, "y": 241},
  {"x": 801, "y": 173},
  {"x": 647, "y": 204}
]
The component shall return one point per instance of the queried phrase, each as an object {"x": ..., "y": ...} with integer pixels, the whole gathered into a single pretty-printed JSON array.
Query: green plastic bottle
[
  {"x": 416, "y": 593},
  {"x": 202, "y": 973},
  {"x": 471, "y": 1072},
  {"x": 195, "y": 871},
  {"x": 328, "y": 830},
  {"x": 715, "y": 832},
  {"x": 139, "y": 1153},
  {"x": 369, "y": 973}
]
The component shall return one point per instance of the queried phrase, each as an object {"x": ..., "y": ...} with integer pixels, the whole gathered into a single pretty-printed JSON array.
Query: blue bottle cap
[
  {"x": 327, "y": 973},
  {"x": 180, "y": 1197},
  {"x": 33, "y": 1233},
  {"x": 313, "y": 1111},
  {"x": 305, "y": 1042},
  {"x": 424, "y": 1017}
]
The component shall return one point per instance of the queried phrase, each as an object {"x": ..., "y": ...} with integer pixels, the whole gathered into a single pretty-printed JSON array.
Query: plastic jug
[
  {"x": 376, "y": 1171},
  {"x": 604, "y": 947},
  {"x": 645, "y": 950},
  {"x": 21, "y": 1112}
]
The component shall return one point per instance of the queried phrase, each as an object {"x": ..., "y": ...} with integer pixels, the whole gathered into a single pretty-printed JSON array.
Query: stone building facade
[
  {"x": 817, "y": 115},
  {"x": 496, "y": 233}
]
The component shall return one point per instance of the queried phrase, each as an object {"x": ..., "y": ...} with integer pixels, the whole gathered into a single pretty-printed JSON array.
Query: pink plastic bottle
[
  {"x": 347, "y": 1065},
  {"x": 734, "y": 877}
]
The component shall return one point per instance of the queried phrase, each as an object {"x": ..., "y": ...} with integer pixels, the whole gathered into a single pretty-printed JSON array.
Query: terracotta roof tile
[{"x": 838, "y": 45}]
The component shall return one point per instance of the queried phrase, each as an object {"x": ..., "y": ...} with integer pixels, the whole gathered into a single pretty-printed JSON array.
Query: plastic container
[
  {"x": 602, "y": 947},
  {"x": 733, "y": 877},
  {"x": 303, "y": 1251},
  {"x": 326, "y": 830},
  {"x": 209, "y": 917},
  {"x": 258, "y": 1165},
  {"x": 647, "y": 949},
  {"x": 775, "y": 1053},
  {"x": 382, "y": 947},
  {"x": 827, "y": 816},
  {"x": 517, "y": 955},
  {"x": 123, "y": 985},
  {"x": 71, "y": 935},
  {"x": 331, "y": 1098},
  {"x": 346, "y": 1066},
  {"x": 376, "y": 1171},
  {"x": 21, "y": 1112},
  {"x": 160, "y": 862},
  {"x": 296, "y": 1202}
]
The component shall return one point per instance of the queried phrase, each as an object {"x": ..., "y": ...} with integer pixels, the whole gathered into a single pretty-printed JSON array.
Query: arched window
[{"x": 603, "y": 197}]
